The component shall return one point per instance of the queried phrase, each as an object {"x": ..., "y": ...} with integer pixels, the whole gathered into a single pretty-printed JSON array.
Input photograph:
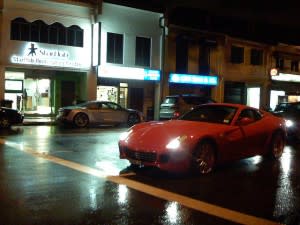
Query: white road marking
[{"x": 198, "y": 205}]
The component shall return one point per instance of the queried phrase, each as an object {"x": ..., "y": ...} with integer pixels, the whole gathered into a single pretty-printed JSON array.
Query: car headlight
[
  {"x": 289, "y": 123},
  {"x": 125, "y": 135},
  {"x": 176, "y": 142}
]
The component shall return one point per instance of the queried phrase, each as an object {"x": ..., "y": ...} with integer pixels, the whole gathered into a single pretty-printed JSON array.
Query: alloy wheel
[
  {"x": 81, "y": 120},
  {"x": 204, "y": 158},
  {"x": 4, "y": 122}
]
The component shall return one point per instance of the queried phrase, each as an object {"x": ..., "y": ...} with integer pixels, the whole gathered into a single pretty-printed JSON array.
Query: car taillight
[{"x": 176, "y": 114}]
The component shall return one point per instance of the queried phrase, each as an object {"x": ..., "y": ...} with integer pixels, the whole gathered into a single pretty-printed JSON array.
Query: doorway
[
  {"x": 67, "y": 93},
  {"x": 253, "y": 97},
  {"x": 36, "y": 96},
  {"x": 136, "y": 98}
]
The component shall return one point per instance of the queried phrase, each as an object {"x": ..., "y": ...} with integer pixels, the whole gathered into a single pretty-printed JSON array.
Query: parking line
[{"x": 198, "y": 205}]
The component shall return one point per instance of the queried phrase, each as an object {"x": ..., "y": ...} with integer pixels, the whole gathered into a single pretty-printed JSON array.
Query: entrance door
[
  {"x": 234, "y": 92},
  {"x": 136, "y": 98},
  {"x": 36, "y": 96},
  {"x": 67, "y": 93}
]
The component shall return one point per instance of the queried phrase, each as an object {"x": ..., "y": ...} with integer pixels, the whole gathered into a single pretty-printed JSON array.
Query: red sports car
[{"x": 204, "y": 137}]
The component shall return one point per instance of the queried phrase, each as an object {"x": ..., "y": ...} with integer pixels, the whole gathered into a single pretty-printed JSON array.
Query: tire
[
  {"x": 4, "y": 122},
  {"x": 133, "y": 119},
  {"x": 81, "y": 120},
  {"x": 277, "y": 145},
  {"x": 204, "y": 157}
]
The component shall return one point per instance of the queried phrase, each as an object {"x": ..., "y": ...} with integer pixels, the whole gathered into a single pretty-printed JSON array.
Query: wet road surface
[{"x": 74, "y": 176}]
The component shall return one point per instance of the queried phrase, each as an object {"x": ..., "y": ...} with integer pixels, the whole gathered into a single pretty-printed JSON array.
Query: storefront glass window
[
  {"x": 274, "y": 98},
  {"x": 253, "y": 97},
  {"x": 107, "y": 93}
]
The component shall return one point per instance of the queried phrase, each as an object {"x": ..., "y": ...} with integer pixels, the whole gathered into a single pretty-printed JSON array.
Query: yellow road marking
[{"x": 198, "y": 205}]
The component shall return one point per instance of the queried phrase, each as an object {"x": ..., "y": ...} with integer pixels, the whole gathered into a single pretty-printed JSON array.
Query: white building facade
[
  {"x": 128, "y": 57},
  {"x": 45, "y": 55}
]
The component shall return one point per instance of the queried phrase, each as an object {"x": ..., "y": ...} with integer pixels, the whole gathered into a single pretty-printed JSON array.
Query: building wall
[
  {"x": 193, "y": 37},
  {"x": 49, "y": 12},
  {"x": 244, "y": 71},
  {"x": 1, "y": 47},
  {"x": 131, "y": 23}
]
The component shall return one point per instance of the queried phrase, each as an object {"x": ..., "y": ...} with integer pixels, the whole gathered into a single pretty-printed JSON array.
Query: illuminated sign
[
  {"x": 193, "y": 79},
  {"x": 34, "y": 55},
  {"x": 128, "y": 73},
  {"x": 286, "y": 77}
]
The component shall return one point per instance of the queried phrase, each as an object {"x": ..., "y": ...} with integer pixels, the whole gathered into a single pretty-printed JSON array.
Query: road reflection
[{"x": 285, "y": 197}]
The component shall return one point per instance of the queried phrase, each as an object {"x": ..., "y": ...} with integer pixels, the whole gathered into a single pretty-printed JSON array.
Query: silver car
[{"x": 98, "y": 113}]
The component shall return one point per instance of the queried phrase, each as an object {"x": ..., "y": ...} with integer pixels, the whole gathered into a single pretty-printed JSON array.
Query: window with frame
[
  {"x": 204, "y": 59},
  {"x": 237, "y": 54},
  {"x": 295, "y": 65},
  {"x": 181, "y": 54},
  {"x": 20, "y": 29},
  {"x": 38, "y": 31},
  {"x": 256, "y": 57},
  {"x": 57, "y": 34},
  {"x": 279, "y": 63},
  {"x": 114, "y": 48},
  {"x": 75, "y": 36},
  {"x": 142, "y": 51}
]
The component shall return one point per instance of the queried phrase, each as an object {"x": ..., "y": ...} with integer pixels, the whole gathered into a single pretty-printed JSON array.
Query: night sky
[{"x": 264, "y": 21}]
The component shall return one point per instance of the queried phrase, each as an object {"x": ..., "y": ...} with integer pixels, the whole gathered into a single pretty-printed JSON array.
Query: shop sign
[
  {"x": 193, "y": 79},
  {"x": 128, "y": 73},
  {"x": 34, "y": 55},
  {"x": 286, "y": 77}
]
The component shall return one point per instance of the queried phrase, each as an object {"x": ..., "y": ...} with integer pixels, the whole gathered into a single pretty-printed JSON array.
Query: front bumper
[{"x": 172, "y": 162}]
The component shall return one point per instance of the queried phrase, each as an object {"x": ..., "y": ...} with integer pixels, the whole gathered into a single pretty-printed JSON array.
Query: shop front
[
  {"x": 131, "y": 87},
  {"x": 42, "y": 92},
  {"x": 284, "y": 88},
  {"x": 40, "y": 79},
  {"x": 28, "y": 94},
  {"x": 191, "y": 84}
]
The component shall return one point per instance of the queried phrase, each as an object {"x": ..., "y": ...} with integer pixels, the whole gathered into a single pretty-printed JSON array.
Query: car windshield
[
  {"x": 83, "y": 104},
  {"x": 282, "y": 107},
  {"x": 211, "y": 113},
  {"x": 170, "y": 100}
]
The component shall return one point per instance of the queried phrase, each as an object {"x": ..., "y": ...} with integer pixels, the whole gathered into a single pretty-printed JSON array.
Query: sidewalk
[{"x": 38, "y": 120}]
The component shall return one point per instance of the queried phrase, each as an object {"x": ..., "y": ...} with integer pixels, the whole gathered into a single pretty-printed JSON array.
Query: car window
[
  {"x": 211, "y": 114},
  {"x": 105, "y": 105},
  {"x": 250, "y": 113},
  {"x": 93, "y": 105},
  {"x": 113, "y": 106},
  {"x": 170, "y": 100},
  {"x": 287, "y": 107},
  {"x": 281, "y": 107}
]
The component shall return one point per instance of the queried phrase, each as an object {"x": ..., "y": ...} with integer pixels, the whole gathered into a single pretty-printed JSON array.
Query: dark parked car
[
  {"x": 290, "y": 111},
  {"x": 10, "y": 117},
  {"x": 174, "y": 106},
  {"x": 98, "y": 113}
]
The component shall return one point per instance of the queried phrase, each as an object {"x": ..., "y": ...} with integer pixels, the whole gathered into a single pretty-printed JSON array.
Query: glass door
[{"x": 37, "y": 96}]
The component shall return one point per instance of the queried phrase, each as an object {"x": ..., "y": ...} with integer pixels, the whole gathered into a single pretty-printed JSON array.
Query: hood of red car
[{"x": 154, "y": 135}]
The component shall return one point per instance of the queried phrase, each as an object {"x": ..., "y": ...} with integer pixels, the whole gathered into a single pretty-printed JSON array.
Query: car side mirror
[{"x": 244, "y": 121}]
